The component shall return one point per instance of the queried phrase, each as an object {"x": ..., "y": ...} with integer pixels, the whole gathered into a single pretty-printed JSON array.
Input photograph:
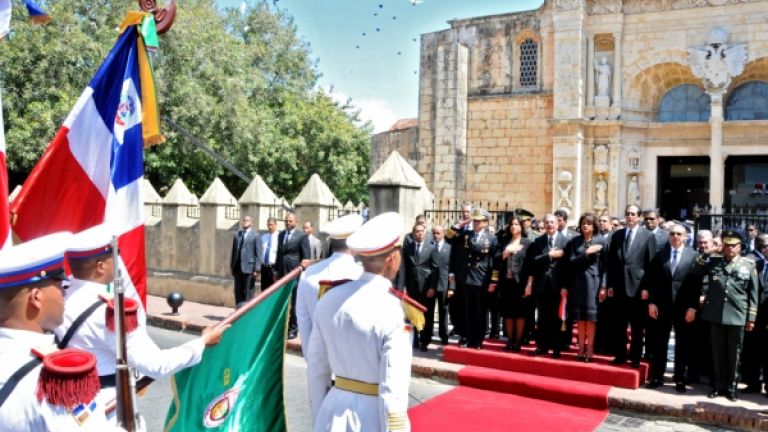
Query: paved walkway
[{"x": 749, "y": 413}]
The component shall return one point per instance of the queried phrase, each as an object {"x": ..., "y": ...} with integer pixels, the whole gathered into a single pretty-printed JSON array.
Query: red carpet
[
  {"x": 597, "y": 372},
  {"x": 469, "y": 409}
]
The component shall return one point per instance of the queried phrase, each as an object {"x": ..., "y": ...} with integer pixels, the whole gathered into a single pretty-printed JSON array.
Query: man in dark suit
[
  {"x": 672, "y": 303},
  {"x": 292, "y": 251},
  {"x": 631, "y": 251},
  {"x": 458, "y": 267},
  {"x": 245, "y": 260},
  {"x": 415, "y": 274},
  {"x": 755, "y": 352},
  {"x": 544, "y": 266},
  {"x": 651, "y": 221},
  {"x": 440, "y": 285}
]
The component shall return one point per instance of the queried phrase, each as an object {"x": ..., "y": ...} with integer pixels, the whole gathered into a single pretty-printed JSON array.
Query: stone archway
[
  {"x": 646, "y": 88},
  {"x": 756, "y": 70}
]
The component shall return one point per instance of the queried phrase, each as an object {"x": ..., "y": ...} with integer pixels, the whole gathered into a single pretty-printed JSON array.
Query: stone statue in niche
[
  {"x": 633, "y": 191},
  {"x": 601, "y": 156},
  {"x": 603, "y": 77},
  {"x": 564, "y": 186},
  {"x": 601, "y": 187}
]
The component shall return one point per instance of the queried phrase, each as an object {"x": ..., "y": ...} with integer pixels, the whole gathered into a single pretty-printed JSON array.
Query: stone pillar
[
  {"x": 591, "y": 70},
  {"x": 617, "y": 69},
  {"x": 315, "y": 203},
  {"x": 218, "y": 223},
  {"x": 716, "y": 157},
  {"x": 178, "y": 230},
  {"x": 397, "y": 187},
  {"x": 259, "y": 202},
  {"x": 568, "y": 18},
  {"x": 152, "y": 203}
]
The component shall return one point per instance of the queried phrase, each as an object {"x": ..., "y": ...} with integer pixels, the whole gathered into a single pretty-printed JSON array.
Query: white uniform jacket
[
  {"x": 338, "y": 266},
  {"x": 93, "y": 336},
  {"x": 360, "y": 333},
  {"x": 22, "y": 412}
]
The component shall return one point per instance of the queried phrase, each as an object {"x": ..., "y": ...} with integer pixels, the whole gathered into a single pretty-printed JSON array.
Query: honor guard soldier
[
  {"x": 729, "y": 298},
  {"x": 362, "y": 336},
  {"x": 477, "y": 253},
  {"x": 89, "y": 318},
  {"x": 39, "y": 392},
  {"x": 340, "y": 265}
]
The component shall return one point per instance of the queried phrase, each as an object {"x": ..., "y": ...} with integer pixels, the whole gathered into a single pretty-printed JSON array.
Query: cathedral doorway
[{"x": 683, "y": 184}]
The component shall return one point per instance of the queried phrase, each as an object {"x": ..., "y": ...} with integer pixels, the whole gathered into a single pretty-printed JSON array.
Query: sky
[{"x": 368, "y": 50}]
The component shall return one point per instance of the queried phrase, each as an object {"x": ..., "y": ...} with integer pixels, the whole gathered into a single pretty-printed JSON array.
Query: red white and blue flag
[
  {"x": 5, "y": 222},
  {"x": 91, "y": 173}
]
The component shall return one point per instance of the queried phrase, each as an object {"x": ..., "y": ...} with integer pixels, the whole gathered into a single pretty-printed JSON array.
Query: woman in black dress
[
  {"x": 514, "y": 305},
  {"x": 586, "y": 275}
]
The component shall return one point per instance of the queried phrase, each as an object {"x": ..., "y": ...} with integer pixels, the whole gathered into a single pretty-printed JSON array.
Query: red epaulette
[
  {"x": 404, "y": 297},
  {"x": 326, "y": 285},
  {"x": 68, "y": 378},
  {"x": 131, "y": 313}
]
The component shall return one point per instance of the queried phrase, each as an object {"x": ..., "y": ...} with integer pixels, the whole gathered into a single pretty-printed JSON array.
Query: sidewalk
[{"x": 749, "y": 412}]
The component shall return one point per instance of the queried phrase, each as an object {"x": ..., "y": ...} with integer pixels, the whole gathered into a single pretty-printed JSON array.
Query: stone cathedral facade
[{"x": 590, "y": 105}]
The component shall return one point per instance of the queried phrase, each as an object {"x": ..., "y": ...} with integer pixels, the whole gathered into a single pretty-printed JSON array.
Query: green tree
[{"x": 242, "y": 83}]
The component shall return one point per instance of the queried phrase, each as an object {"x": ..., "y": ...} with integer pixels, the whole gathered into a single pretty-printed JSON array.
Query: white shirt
[
  {"x": 359, "y": 333},
  {"x": 338, "y": 266},
  {"x": 21, "y": 412},
  {"x": 143, "y": 354},
  {"x": 272, "y": 248}
]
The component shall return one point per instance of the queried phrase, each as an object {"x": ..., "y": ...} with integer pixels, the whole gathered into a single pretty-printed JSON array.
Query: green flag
[{"x": 238, "y": 385}]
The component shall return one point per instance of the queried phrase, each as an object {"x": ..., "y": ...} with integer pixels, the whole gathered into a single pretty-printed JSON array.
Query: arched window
[
  {"x": 528, "y": 63},
  {"x": 685, "y": 103},
  {"x": 748, "y": 102}
]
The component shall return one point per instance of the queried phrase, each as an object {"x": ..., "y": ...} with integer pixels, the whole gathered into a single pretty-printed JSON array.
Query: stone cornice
[{"x": 630, "y": 7}]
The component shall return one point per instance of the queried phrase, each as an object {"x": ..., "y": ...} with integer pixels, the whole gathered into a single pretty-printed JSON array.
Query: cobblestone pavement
[{"x": 619, "y": 420}]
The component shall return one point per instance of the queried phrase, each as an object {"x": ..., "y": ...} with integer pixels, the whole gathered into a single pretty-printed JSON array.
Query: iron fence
[
  {"x": 448, "y": 212},
  {"x": 738, "y": 221}
]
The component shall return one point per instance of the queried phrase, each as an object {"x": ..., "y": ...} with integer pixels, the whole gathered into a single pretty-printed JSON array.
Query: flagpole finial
[{"x": 164, "y": 17}]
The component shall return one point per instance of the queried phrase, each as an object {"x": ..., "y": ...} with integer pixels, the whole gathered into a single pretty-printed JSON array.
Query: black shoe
[
  {"x": 619, "y": 361},
  {"x": 462, "y": 342},
  {"x": 494, "y": 336},
  {"x": 680, "y": 387},
  {"x": 635, "y": 363},
  {"x": 731, "y": 396},
  {"x": 478, "y": 347},
  {"x": 539, "y": 351},
  {"x": 555, "y": 354},
  {"x": 423, "y": 348},
  {"x": 292, "y": 334},
  {"x": 713, "y": 394},
  {"x": 508, "y": 347},
  {"x": 654, "y": 383},
  {"x": 516, "y": 348},
  {"x": 444, "y": 341}
]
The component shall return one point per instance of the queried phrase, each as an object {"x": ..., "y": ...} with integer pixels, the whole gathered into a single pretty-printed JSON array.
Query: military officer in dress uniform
[
  {"x": 340, "y": 265},
  {"x": 31, "y": 306},
  {"x": 478, "y": 250},
  {"x": 86, "y": 326},
  {"x": 362, "y": 336},
  {"x": 729, "y": 297}
]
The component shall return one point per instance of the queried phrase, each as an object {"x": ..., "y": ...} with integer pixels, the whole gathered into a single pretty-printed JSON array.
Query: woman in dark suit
[
  {"x": 514, "y": 305},
  {"x": 586, "y": 273}
]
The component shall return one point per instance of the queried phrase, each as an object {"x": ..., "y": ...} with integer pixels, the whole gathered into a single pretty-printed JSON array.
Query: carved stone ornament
[
  {"x": 567, "y": 5},
  {"x": 644, "y": 6},
  {"x": 604, "y": 7},
  {"x": 717, "y": 63},
  {"x": 601, "y": 158},
  {"x": 633, "y": 191},
  {"x": 564, "y": 186},
  {"x": 601, "y": 188}
]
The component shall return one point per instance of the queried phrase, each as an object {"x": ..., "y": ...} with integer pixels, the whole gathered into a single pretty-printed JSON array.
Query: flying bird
[{"x": 415, "y": 2}]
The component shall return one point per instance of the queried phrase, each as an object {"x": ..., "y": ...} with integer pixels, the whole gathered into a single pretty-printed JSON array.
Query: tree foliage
[{"x": 245, "y": 84}]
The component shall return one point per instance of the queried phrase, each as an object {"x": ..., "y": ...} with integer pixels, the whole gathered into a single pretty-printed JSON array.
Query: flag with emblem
[
  {"x": 91, "y": 172},
  {"x": 238, "y": 385}
]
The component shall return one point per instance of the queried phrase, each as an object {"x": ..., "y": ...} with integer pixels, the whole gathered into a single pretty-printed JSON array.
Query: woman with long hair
[
  {"x": 514, "y": 304},
  {"x": 586, "y": 276}
]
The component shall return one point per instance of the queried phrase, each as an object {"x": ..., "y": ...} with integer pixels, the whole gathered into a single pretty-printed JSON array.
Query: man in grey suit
[
  {"x": 292, "y": 251},
  {"x": 315, "y": 245},
  {"x": 415, "y": 274},
  {"x": 651, "y": 221},
  {"x": 631, "y": 251},
  {"x": 672, "y": 303},
  {"x": 245, "y": 260},
  {"x": 438, "y": 290}
]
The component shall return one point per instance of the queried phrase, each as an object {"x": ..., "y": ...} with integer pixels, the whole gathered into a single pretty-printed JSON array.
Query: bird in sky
[{"x": 415, "y": 2}]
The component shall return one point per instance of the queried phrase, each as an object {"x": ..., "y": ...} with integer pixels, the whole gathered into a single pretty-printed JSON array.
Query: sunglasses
[
  {"x": 676, "y": 233},
  {"x": 650, "y": 218},
  {"x": 630, "y": 214}
]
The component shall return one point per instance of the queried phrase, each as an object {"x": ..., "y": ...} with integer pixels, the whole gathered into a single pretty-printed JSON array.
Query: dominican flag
[
  {"x": 36, "y": 13},
  {"x": 91, "y": 172},
  {"x": 5, "y": 225}
]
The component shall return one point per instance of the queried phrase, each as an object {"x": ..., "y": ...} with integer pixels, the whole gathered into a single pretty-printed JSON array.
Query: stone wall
[{"x": 405, "y": 141}]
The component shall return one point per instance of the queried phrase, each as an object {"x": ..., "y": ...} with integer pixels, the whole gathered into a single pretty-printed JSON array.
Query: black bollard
[{"x": 175, "y": 300}]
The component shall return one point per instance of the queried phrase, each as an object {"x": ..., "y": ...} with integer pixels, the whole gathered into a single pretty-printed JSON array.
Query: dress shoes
[
  {"x": 713, "y": 394},
  {"x": 462, "y": 342},
  {"x": 494, "y": 336},
  {"x": 654, "y": 383},
  {"x": 516, "y": 348},
  {"x": 680, "y": 387},
  {"x": 508, "y": 347},
  {"x": 619, "y": 361},
  {"x": 423, "y": 348},
  {"x": 555, "y": 354},
  {"x": 444, "y": 341},
  {"x": 539, "y": 351},
  {"x": 731, "y": 396},
  {"x": 635, "y": 363}
]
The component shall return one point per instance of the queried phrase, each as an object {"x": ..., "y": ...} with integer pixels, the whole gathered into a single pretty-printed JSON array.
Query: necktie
[
  {"x": 629, "y": 239},
  {"x": 418, "y": 248},
  {"x": 269, "y": 246},
  {"x": 551, "y": 242},
  {"x": 287, "y": 237},
  {"x": 674, "y": 261}
]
